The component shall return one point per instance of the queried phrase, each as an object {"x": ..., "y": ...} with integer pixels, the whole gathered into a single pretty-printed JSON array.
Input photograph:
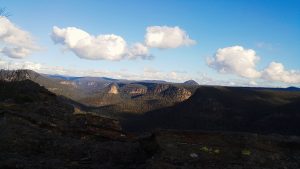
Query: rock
[
  {"x": 113, "y": 89},
  {"x": 134, "y": 90},
  {"x": 194, "y": 155},
  {"x": 177, "y": 93}
]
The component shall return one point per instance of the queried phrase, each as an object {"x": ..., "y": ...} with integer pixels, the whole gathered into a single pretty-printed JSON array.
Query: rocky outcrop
[
  {"x": 134, "y": 90},
  {"x": 157, "y": 88},
  {"x": 138, "y": 91},
  {"x": 177, "y": 93},
  {"x": 113, "y": 89}
]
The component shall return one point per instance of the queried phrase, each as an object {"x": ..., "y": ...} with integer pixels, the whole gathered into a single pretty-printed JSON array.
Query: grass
[
  {"x": 246, "y": 152},
  {"x": 210, "y": 150}
]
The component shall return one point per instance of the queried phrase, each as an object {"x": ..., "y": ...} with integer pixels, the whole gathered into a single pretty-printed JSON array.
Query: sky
[{"x": 220, "y": 42}]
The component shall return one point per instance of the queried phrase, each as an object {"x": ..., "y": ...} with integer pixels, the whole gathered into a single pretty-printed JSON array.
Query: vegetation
[
  {"x": 210, "y": 150},
  {"x": 15, "y": 86},
  {"x": 226, "y": 109},
  {"x": 42, "y": 130},
  {"x": 246, "y": 152}
]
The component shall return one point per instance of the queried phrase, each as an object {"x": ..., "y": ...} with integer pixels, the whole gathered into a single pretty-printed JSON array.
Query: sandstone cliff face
[
  {"x": 167, "y": 91},
  {"x": 183, "y": 94},
  {"x": 135, "y": 90},
  {"x": 113, "y": 89},
  {"x": 176, "y": 93},
  {"x": 138, "y": 91},
  {"x": 159, "y": 88}
]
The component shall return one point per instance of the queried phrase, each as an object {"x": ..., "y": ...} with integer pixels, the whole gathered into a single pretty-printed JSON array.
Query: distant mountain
[
  {"x": 153, "y": 81},
  {"x": 61, "y": 77},
  {"x": 125, "y": 96},
  {"x": 191, "y": 82},
  {"x": 293, "y": 89}
]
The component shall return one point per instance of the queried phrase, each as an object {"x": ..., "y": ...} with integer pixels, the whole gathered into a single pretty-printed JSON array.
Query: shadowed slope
[{"x": 227, "y": 108}]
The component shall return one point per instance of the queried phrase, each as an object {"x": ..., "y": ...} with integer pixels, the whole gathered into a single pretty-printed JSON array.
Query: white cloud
[
  {"x": 276, "y": 72},
  {"x": 236, "y": 60},
  {"x": 252, "y": 83},
  {"x": 101, "y": 47},
  {"x": 153, "y": 74},
  {"x": 11, "y": 65},
  {"x": 242, "y": 62},
  {"x": 146, "y": 74},
  {"x": 164, "y": 37},
  {"x": 16, "y": 43},
  {"x": 114, "y": 47},
  {"x": 84, "y": 45},
  {"x": 139, "y": 49}
]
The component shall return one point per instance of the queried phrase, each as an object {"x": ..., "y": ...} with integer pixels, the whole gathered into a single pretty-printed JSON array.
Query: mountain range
[
  {"x": 46, "y": 122},
  {"x": 115, "y": 94}
]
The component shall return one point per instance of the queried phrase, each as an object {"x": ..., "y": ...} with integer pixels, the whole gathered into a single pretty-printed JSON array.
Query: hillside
[
  {"x": 113, "y": 95},
  {"x": 136, "y": 98},
  {"x": 227, "y": 109},
  {"x": 42, "y": 130},
  {"x": 39, "y": 130},
  {"x": 191, "y": 82}
]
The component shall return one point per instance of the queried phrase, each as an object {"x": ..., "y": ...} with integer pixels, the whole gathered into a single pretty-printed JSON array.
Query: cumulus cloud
[
  {"x": 139, "y": 49},
  {"x": 164, "y": 37},
  {"x": 101, "y": 47},
  {"x": 154, "y": 74},
  {"x": 16, "y": 43},
  {"x": 11, "y": 65},
  {"x": 252, "y": 83},
  {"x": 114, "y": 47},
  {"x": 276, "y": 72},
  {"x": 235, "y": 60},
  {"x": 242, "y": 62},
  {"x": 145, "y": 74}
]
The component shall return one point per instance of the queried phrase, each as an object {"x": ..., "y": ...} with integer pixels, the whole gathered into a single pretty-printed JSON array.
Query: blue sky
[{"x": 268, "y": 27}]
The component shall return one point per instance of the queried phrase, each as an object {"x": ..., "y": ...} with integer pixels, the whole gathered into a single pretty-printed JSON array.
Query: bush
[
  {"x": 246, "y": 152},
  {"x": 23, "y": 99}
]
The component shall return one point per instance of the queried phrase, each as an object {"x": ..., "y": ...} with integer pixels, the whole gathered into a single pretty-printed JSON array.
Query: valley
[
  {"x": 189, "y": 126},
  {"x": 170, "y": 84}
]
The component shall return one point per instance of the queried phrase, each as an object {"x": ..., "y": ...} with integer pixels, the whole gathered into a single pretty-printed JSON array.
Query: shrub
[{"x": 246, "y": 152}]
